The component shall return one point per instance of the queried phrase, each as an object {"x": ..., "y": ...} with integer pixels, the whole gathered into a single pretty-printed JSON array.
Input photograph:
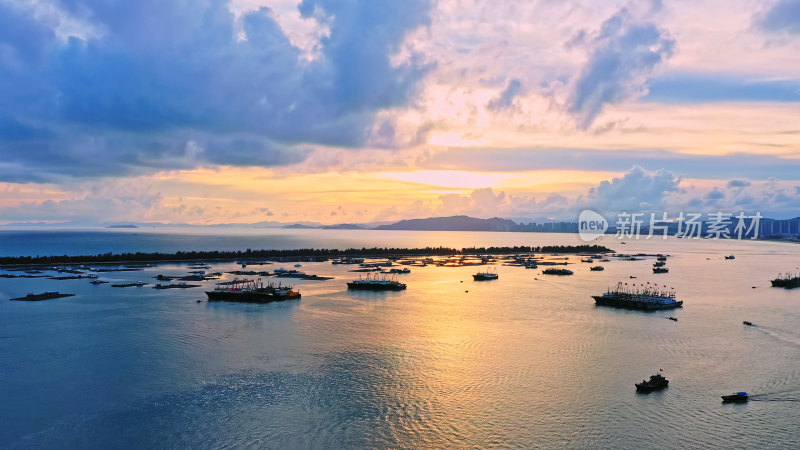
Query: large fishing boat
[
  {"x": 485, "y": 276},
  {"x": 787, "y": 281},
  {"x": 557, "y": 272},
  {"x": 252, "y": 291},
  {"x": 644, "y": 296},
  {"x": 375, "y": 284}
]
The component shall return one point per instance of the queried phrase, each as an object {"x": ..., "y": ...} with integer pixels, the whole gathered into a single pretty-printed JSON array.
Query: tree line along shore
[{"x": 297, "y": 254}]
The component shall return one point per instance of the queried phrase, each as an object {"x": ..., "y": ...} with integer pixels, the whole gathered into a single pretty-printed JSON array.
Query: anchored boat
[
  {"x": 557, "y": 272},
  {"x": 252, "y": 291},
  {"x": 485, "y": 276},
  {"x": 375, "y": 284},
  {"x": 787, "y": 281},
  {"x": 655, "y": 382},
  {"x": 645, "y": 297}
]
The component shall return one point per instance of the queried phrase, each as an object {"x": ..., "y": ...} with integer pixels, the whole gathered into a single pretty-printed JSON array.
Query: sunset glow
[{"x": 527, "y": 102}]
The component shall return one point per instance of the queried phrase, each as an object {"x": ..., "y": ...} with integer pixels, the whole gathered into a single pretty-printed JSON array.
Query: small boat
[
  {"x": 736, "y": 397},
  {"x": 674, "y": 319},
  {"x": 748, "y": 323},
  {"x": 730, "y": 257},
  {"x": 596, "y": 268},
  {"x": 660, "y": 270},
  {"x": 656, "y": 382}
]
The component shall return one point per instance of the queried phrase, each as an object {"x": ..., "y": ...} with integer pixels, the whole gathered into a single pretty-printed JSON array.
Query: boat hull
[
  {"x": 634, "y": 304},
  {"x": 374, "y": 287},
  {"x": 789, "y": 283},
  {"x": 734, "y": 398},
  {"x": 647, "y": 387},
  {"x": 251, "y": 297},
  {"x": 483, "y": 278}
]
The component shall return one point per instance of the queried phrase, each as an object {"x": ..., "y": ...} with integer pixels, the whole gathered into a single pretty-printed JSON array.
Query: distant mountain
[
  {"x": 122, "y": 226},
  {"x": 344, "y": 226},
  {"x": 453, "y": 223},
  {"x": 298, "y": 226}
]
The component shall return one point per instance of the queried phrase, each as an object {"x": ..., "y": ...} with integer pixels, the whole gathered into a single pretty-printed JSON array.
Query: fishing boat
[
  {"x": 736, "y": 397},
  {"x": 787, "y": 281},
  {"x": 660, "y": 270},
  {"x": 655, "y": 382},
  {"x": 597, "y": 268},
  {"x": 748, "y": 323},
  {"x": 646, "y": 297},
  {"x": 252, "y": 291},
  {"x": 375, "y": 284},
  {"x": 730, "y": 257},
  {"x": 557, "y": 272},
  {"x": 485, "y": 276}
]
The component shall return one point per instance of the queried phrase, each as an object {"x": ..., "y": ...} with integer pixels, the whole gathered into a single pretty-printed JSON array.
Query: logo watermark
[
  {"x": 591, "y": 225},
  {"x": 717, "y": 225}
]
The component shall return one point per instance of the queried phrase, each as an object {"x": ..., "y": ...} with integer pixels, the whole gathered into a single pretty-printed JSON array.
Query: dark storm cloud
[{"x": 163, "y": 80}]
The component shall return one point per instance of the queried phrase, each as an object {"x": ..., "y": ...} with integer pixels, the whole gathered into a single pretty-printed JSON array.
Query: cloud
[
  {"x": 781, "y": 16},
  {"x": 90, "y": 209},
  {"x": 704, "y": 88},
  {"x": 738, "y": 183},
  {"x": 159, "y": 75},
  {"x": 506, "y": 98},
  {"x": 714, "y": 196},
  {"x": 637, "y": 190},
  {"x": 621, "y": 56},
  {"x": 562, "y": 158}
]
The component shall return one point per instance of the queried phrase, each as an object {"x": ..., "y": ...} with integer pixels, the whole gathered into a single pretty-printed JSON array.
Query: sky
[{"x": 363, "y": 111}]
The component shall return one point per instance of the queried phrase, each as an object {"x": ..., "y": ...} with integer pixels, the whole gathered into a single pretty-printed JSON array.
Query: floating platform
[{"x": 40, "y": 297}]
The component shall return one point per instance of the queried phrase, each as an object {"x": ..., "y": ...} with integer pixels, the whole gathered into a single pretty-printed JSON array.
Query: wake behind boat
[
  {"x": 644, "y": 296},
  {"x": 252, "y": 291}
]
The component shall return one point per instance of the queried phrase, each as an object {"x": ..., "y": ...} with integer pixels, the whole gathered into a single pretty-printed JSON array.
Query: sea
[{"x": 525, "y": 361}]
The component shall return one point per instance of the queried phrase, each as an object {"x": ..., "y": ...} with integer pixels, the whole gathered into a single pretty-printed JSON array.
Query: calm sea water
[{"x": 524, "y": 361}]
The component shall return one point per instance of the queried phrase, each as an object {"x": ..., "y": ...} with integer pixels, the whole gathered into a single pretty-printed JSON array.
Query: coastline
[{"x": 289, "y": 255}]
